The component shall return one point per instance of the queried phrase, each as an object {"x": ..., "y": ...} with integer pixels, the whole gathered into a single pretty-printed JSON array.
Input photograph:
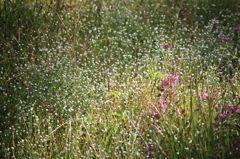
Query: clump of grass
[{"x": 95, "y": 79}]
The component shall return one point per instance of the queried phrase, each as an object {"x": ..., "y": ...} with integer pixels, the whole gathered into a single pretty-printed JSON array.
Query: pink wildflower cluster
[
  {"x": 237, "y": 28},
  {"x": 222, "y": 117},
  {"x": 166, "y": 88},
  {"x": 226, "y": 112},
  {"x": 167, "y": 46},
  {"x": 170, "y": 81},
  {"x": 213, "y": 97},
  {"x": 226, "y": 39},
  {"x": 204, "y": 95}
]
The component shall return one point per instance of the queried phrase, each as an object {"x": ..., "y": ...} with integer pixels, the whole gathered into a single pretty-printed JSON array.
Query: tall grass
[{"x": 119, "y": 79}]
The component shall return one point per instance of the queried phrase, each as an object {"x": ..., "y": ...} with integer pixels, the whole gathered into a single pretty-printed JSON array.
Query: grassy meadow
[{"x": 127, "y": 79}]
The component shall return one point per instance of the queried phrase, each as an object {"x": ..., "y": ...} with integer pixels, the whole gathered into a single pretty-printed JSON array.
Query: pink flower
[
  {"x": 237, "y": 109},
  {"x": 220, "y": 107},
  {"x": 217, "y": 124},
  {"x": 174, "y": 79},
  {"x": 110, "y": 84},
  {"x": 237, "y": 28},
  {"x": 165, "y": 84},
  {"x": 163, "y": 111},
  {"x": 156, "y": 128},
  {"x": 226, "y": 39},
  {"x": 204, "y": 95},
  {"x": 153, "y": 147},
  {"x": 155, "y": 114},
  {"x": 196, "y": 108},
  {"x": 229, "y": 108},
  {"x": 165, "y": 46},
  {"x": 223, "y": 116},
  {"x": 162, "y": 104},
  {"x": 168, "y": 74}
]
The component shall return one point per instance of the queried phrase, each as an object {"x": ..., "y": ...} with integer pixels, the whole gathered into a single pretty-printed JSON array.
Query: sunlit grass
[{"x": 119, "y": 79}]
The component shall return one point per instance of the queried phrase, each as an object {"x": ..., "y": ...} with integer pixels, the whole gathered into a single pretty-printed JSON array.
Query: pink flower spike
[
  {"x": 163, "y": 46},
  {"x": 169, "y": 45},
  {"x": 238, "y": 28}
]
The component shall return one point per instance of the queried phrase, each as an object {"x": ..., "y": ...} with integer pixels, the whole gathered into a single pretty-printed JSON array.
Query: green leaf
[
  {"x": 113, "y": 93},
  {"x": 160, "y": 75},
  {"x": 119, "y": 115},
  {"x": 152, "y": 72}
]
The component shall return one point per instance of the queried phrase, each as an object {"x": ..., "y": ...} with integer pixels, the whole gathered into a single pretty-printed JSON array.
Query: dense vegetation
[{"x": 119, "y": 79}]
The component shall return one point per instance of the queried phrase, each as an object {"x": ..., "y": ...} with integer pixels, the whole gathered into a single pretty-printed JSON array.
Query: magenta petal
[
  {"x": 147, "y": 148},
  {"x": 229, "y": 108},
  {"x": 224, "y": 115},
  {"x": 220, "y": 107}
]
